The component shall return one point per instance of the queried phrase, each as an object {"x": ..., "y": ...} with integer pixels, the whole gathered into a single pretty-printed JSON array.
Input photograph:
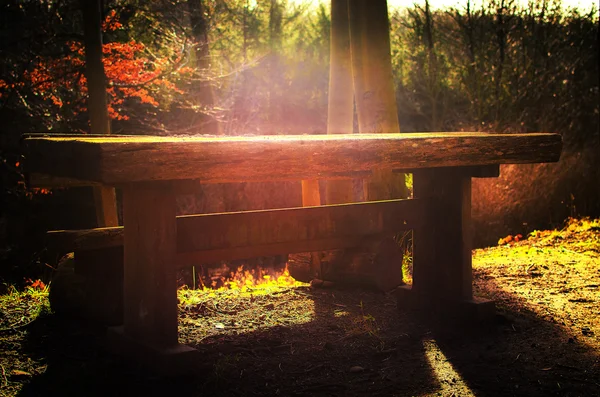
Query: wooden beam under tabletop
[
  {"x": 255, "y": 228},
  {"x": 266, "y": 232},
  {"x": 286, "y": 247}
]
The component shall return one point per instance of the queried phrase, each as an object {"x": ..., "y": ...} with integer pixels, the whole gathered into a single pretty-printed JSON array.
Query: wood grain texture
[
  {"x": 87, "y": 239},
  {"x": 442, "y": 270},
  {"x": 285, "y": 247},
  {"x": 105, "y": 203},
  {"x": 150, "y": 288},
  {"x": 267, "y": 232},
  {"x": 311, "y": 196},
  {"x": 120, "y": 160},
  {"x": 291, "y": 226}
]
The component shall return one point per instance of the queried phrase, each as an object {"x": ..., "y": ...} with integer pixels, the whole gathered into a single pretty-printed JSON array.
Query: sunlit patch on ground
[
  {"x": 244, "y": 304},
  {"x": 256, "y": 281},
  {"x": 553, "y": 274},
  {"x": 450, "y": 381}
]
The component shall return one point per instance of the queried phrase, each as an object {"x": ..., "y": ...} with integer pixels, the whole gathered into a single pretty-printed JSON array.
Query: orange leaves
[
  {"x": 37, "y": 284},
  {"x": 133, "y": 75},
  {"x": 510, "y": 239},
  {"x": 111, "y": 23},
  {"x": 130, "y": 72},
  {"x": 3, "y": 86},
  {"x": 42, "y": 191},
  {"x": 50, "y": 78}
]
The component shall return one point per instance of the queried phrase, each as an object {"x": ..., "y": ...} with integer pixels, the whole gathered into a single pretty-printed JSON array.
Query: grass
[
  {"x": 20, "y": 308},
  {"x": 293, "y": 337}
]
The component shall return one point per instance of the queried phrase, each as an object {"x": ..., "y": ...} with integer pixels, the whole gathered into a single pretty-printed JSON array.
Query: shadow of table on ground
[{"x": 353, "y": 343}]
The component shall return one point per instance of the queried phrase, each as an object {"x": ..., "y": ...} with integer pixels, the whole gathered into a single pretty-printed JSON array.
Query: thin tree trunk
[
  {"x": 340, "y": 110},
  {"x": 275, "y": 79},
  {"x": 104, "y": 197},
  {"x": 203, "y": 93},
  {"x": 432, "y": 70},
  {"x": 501, "y": 38}
]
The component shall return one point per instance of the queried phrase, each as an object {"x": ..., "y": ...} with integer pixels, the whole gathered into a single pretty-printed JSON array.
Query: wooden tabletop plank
[{"x": 116, "y": 160}]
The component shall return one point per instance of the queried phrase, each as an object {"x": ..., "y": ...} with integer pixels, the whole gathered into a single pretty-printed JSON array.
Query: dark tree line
[{"x": 263, "y": 66}]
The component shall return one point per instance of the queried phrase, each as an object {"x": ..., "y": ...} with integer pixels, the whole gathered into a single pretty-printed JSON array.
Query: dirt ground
[{"x": 291, "y": 339}]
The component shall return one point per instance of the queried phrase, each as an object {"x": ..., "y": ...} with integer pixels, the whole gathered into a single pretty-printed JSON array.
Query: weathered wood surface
[
  {"x": 442, "y": 264},
  {"x": 150, "y": 288},
  {"x": 442, "y": 268},
  {"x": 87, "y": 239},
  {"x": 288, "y": 247},
  {"x": 238, "y": 235},
  {"x": 311, "y": 196},
  {"x": 120, "y": 160}
]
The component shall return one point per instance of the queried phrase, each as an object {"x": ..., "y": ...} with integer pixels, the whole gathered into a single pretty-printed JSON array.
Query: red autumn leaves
[
  {"x": 131, "y": 71},
  {"x": 510, "y": 239}
]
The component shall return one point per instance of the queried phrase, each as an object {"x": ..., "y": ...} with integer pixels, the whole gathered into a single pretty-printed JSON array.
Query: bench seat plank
[{"x": 209, "y": 159}]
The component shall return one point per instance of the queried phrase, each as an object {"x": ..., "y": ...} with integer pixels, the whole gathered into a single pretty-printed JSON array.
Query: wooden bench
[{"x": 150, "y": 171}]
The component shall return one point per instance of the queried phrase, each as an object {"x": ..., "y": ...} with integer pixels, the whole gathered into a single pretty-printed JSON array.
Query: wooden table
[{"x": 150, "y": 171}]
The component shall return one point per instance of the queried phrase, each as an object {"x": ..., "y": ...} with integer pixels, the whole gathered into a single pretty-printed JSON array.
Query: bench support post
[
  {"x": 150, "y": 290},
  {"x": 442, "y": 257},
  {"x": 149, "y": 331}
]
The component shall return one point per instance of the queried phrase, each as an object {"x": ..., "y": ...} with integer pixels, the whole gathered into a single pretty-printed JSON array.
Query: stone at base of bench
[
  {"x": 174, "y": 360},
  {"x": 473, "y": 310}
]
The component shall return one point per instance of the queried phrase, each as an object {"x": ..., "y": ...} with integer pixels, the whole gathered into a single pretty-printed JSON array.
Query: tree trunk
[
  {"x": 360, "y": 52},
  {"x": 104, "y": 197},
  {"x": 340, "y": 113},
  {"x": 432, "y": 69},
  {"x": 202, "y": 90},
  {"x": 275, "y": 78},
  {"x": 340, "y": 110},
  {"x": 374, "y": 87},
  {"x": 501, "y": 38}
]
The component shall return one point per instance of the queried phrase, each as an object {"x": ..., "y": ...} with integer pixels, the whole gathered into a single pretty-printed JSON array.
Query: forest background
[{"x": 262, "y": 67}]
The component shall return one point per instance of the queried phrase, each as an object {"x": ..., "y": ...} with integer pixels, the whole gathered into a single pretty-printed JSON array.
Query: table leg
[
  {"x": 149, "y": 331},
  {"x": 442, "y": 258},
  {"x": 150, "y": 291}
]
